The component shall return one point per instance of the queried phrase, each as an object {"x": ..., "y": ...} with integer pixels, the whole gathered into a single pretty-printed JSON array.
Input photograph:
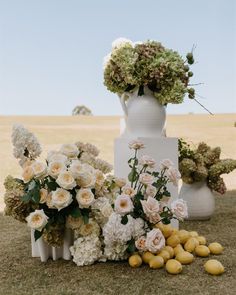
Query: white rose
[
  {"x": 155, "y": 241},
  {"x": 66, "y": 180},
  {"x": 40, "y": 169},
  {"x": 37, "y": 220},
  {"x": 128, "y": 191},
  {"x": 150, "y": 191},
  {"x": 151, "y": 209},
  {"x": 85, "y": 198},
  {"x": 120, "y": 42},
  {"x": 55, "y": 156},
  {"x": 27, "y": 174},
  {"x": 43, "y": 195},
  {"x": 76, "y": 168},
  {"x": 179, "y": 209},
  {"x": 69, "y": 150},
  {"x": 147, "y": 161},
  {"x": 86, "y": 179},
  {"x": 61, "y": 198},
  {"x": 146, "y": 178},
  {"x": 136, "y": 145},
  {"x": 55, "y": 168},
  {"x": 166, "y": 163},
  {"x": 120, "y": 182},
  {"x": 174, "y": 175},
  {"x": 123, "y": 205},
  {"x": 140, "y": 244}
]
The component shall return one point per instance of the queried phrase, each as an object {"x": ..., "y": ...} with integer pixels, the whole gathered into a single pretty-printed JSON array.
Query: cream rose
[
  {"x": 136, "y": 145},
  {"x": 55, "y": 168},
  {"x": 120, "y": 182},
  {"x": 140, "y": 244},
  {"x": 123, "y": 205},
  {"x": 66, "y": 180},
  {"x": 128, "y": 191},
  {"x": 86, "y": 179},
  {"x": 55, "y": 156},
  {"x": 173, "y": 175},
  {"x": 179, "y": 209},
  {"x": 61, "y": 198},
  {"x": 147, "y": 161},
  {"x": 37, "y": 220},
  {"x": 146, "y": 178},
  {"x": 150, "y": 191},
  {"x": 166, "y": 163},
  {"x": 40, "y": 169},
  {"x": 27, "y": 174},
  {"x": 76, "y": 168},
  {"x": 69, "y": 150},
  {"x": 106, "y": 210},
  {"x": 43, "y": 195},
  {"x": 85, "y": 198},
  {"x": 155, "y": 241},
  {"x": 151, "y": 209}
]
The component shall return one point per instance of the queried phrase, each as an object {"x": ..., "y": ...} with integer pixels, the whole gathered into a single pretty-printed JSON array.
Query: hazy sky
[{"x": 51, "y": 51}]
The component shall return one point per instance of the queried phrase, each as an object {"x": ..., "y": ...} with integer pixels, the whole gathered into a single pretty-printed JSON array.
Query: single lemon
[
  {"x": 156, "y": 262},
  {"x": 173, "y": 240},
  {"x": 135, "y": 260},
  {"x": 191, "y": 244},
  {"x": 214, "y": 267},
  {"x": 173, "y": 266},
  {"x": 170, "y": 250},
  {"x": 201, "y": 240},
  {"x": 146, "y": 256},
  {"x": 167, "y": 230},
  {"x": 193, "y": 234},
  {"x": 183, "y": 235},
  {"x": 178, "y": 248},
  {"x": 164, "y": 254},
  {"x": 215, "y": 248},
  {"x": 202, "y": 251},
  {"x": 184, "y": 257}
]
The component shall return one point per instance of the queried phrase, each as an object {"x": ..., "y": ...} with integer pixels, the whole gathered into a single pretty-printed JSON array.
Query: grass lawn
[{"x": 21, "y": 274}]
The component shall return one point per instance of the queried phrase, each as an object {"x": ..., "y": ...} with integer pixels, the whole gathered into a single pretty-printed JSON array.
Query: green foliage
[{"x": 32, "y": 192}]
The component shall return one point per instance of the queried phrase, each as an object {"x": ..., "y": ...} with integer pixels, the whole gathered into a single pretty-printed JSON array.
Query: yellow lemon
[
  {"x": 164, "y": 254},
  {"x": 135, "y": 260},
  {"x": 156, "y": 262},
  {"x": 173, "y": 240},
  {"x": 215, "y": 248},
  {"x": 167, "y": 230},
  {"x": 193, "y": 234},
  {"x": 170, "y": 250},
  {"x": 214, "y": 267},
  {"x": 174, "y": 230},
  {"x": 191, "y": 244},
  {"x": 201, "y": 240},
  {"x": 183, "y": 236},
  {"x": 159, "y": 225},
  {"x": 147, "y": 256},
  {"x": 173, "y": 266},
  {"x": 202, "y": 251},
  {"x": 178, "y": 248},
  {"x": 184, "y": 257}
]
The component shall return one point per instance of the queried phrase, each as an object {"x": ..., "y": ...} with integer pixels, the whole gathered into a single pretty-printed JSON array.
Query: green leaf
[
  {"x": 31, "y": 185},
  {"x": 37, "y": 234},
  {"x": 36, "y": 196},
  {"x": 132, "y": 175},
  {"x": 124, "y": 219},
  {"x": 131, "y": 247},
  {"x": 26, "y": 198},
  {"x": 76, "y": 212}
]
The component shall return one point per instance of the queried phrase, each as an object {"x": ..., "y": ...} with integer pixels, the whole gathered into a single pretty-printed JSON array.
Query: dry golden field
[{"x": 101, "y": 131}]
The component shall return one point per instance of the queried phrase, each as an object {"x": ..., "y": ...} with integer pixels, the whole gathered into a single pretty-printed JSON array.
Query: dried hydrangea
[
  {"x": 54, "y": 235},
  {"x": 26, "y": 145},
  {"x": 204, "y": 164},
  {"x": 13, "y": 200},
  {"x": 148, "y": 64}
]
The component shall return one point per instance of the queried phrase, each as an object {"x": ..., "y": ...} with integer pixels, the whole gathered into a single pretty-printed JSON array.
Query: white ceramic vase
[
  {"x": 44, "y": 251},
  {"x": 144, "y": 115},
  {"x": 200, "y": 200}
]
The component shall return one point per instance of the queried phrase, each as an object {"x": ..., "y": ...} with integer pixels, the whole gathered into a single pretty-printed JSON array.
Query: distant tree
[{"x": 81, "y": 111}]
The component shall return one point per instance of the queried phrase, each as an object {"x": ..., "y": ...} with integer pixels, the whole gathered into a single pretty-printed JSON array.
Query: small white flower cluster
[{"x": 26, "y": 145}]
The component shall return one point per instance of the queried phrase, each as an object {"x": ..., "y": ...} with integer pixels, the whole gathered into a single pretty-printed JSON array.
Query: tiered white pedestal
[{"x": 158, "y": 148}]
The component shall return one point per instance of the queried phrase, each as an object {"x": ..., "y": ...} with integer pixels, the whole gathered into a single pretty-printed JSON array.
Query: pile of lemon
[{"x": 179, "y": 250}]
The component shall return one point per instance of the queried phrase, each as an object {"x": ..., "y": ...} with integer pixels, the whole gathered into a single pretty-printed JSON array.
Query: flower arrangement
[
  {"x": 132, "y": 66},
  {"x": 59, "y": 192},
  {"x": 204, "y": 164}
]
